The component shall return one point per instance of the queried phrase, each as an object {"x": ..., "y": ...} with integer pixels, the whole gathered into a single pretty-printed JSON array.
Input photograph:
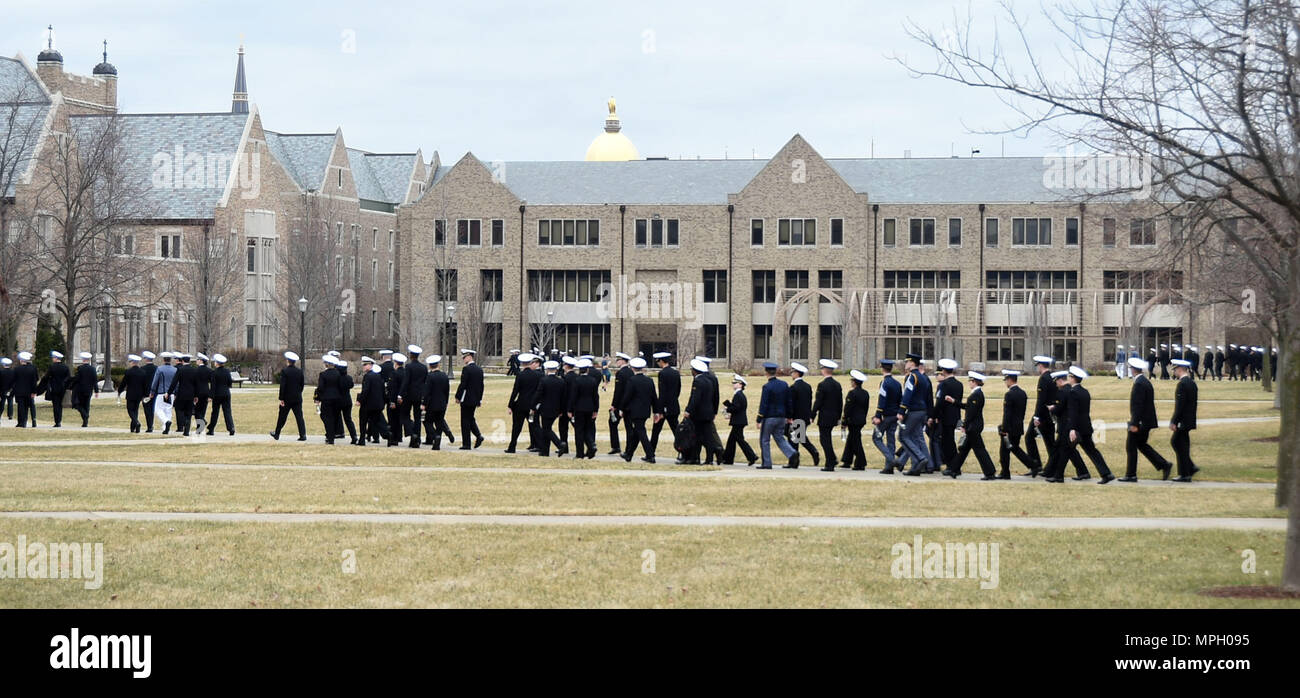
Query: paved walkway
[
  {"x": 689, "y": 472},
  {"x": 1116, "y": 523}
]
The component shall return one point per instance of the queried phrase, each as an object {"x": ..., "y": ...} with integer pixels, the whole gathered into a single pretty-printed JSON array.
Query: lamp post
[
  {"x": 550, "y": 330},
  {"x": 302, "y": 328},
  {"x": 447, "y": 350}
]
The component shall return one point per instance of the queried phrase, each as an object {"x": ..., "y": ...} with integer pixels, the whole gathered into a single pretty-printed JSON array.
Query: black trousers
[
  {"x": 373, "y": 424},
  {"x": 81, "y": 402},
  {"x": 183, "y": 411},
  {"x": 584, "y": 433},
  {"x": 1137, "y": 442},
  {"x": 735, "y": 439},
  {"x": 1071, "y": 451},
  {"x": 7, "y": 405},
  {"x": 948, "y": 441},
  {"x": 343, "y": 412},
  {"x": 805, "y": 440},
  {"x": 974, "y": 443},
  {"x": 412, "y": 419},
  {"x": 519, "y": 417},
  {"x": 1031, "y": 443},
  {"x": 394, "y": 423},
  {"x": 670, "y": 418},
  {"x": 548, "y": 435},
  {"x": 201, "y": 409},
  {"x": 221, "y": 405},
  {"x": 148, "y": 416},
  {"x": 564, "y": 427},
  {"x": 133, "y": 411},
  {"x": 613, "y": 435},
  {"x": 1182, "y": 445},
  {"x": 296, "y": 409},
  {"x": 854, "y": 455},
  {"x": 26, "y": 410},
  {"x": 1009, "y": 445},
  {"x": 468, "y": 425},
  {"x": 637, "y": 436},
  {"x": 1065, "y": 451},
  {"x": 56, "y": 406},
  {"x": 708, "y": 436},
  {"x": 435, "y": 425}
]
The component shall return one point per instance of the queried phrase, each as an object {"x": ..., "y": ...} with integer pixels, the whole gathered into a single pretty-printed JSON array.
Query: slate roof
[
  {"x": 22, "y": 115},
  {"x": 305, "y": 156},
  {"x": 152, "y": 143},
  {"x": 381, "y": 177}
]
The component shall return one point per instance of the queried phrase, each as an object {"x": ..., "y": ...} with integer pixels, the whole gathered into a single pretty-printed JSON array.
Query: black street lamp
[{"x": 302, "y": 327}]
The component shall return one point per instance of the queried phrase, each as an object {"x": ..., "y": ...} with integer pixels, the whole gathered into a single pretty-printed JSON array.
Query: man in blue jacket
[
  {"x": 914, "y": 409},
  {"x": 775, "y": 408}
]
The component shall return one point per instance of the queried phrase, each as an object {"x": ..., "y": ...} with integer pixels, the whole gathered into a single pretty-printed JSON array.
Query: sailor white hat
[
  {"x": 514, "y": 351},
  {"x": 700, "y": 366},
  {"x": 550, "y": 365},
  {"x": 827, "y": 363},
  {"x": 132, "y": 357},
  {"x": 705, "y": 359},
  {"x": 433, "y": 359},
  {"x": 341, "y": 363},
  {"x": 414, "y": 349},
  {"x": 24, "y": 356},
  {"x": 1010, "y": 372},
  {"x": 465, "y": 351},
  {"x": 621, "y": 355},
  {"x": 327, "y": 359},
  {"x": 737, "y": 378},
  {"x": 1078, "y": 372},
  {"x": 1220, "y": 347},
  {"x": 84, "y": 356},
  {"x": 662, "y": 354},
  {"x": 526, "y": 358},
  {"x": 385, "y": 352},
  {"x": 148, "y": 355},
  {"x": 1138, "y": 363},
  {"x": 1043, "y": 359},
  {"x": 796, "y": 366},
  {"x": 367, "y": 360},
  {"x": 584, "y": 363},
  {"x": 637, "y": 362},
  {"x": 166, "y": 354},
  {"x": 1181, "y": 362},
  {"x": 948, "y": 364},
  {"x": 219, "y": 358},
  {"x": 288, "y": 355},
  {"x": 976, "y": 375},
  {"x": 570, "y": 361},
  {"x": 858, "y": 376},
  {"x": 202, "y": 356},
  {"x": 5, "y": 361},
  {"x": 333, "y": 352},
  {"x": 399, "y": 358},
  {"x": 376, "y": 368},
  {"x": 1060, "y": 374},
  {"x": 56, "y": 354}
]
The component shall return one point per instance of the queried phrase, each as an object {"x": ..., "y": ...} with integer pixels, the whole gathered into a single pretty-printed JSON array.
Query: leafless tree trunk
[
  {"x": 22, "y": 110},
  {"x": 310, "y": 258},
  {"x": 216, "y": 283}
]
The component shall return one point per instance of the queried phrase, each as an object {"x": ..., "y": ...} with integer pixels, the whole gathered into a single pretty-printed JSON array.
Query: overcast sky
[{"x": 529, "y": 80}]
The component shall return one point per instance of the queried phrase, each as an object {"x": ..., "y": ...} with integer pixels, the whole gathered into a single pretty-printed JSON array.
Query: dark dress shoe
[
  {"x": 1184, "y": 478},
  {"x": 627, "y": 457},
  {"x": 787, "y": 466},
  {"x": 508, "y": 450},
  {"x": 954, "y": 474},
  {"x": 273, "y": 435},
  {"x": 1128, "y": 479},
  {"x": 913, "y": 473},
  {"x": 1106, "y": 478},
  {"x": 463, "y": 448},
  {"x": 988, "y": 477},
  {"x": 478, "y": 442},
  {"x": 1082, "y": 477},
  {"x": 648, "y": 459},
  {"x": 859, "y": 467},
  {"x": 887, "y": 471},
  {"x": 846, "y": 465},
  {"x": 755, "y": 460},
  {"x": 828, "y": 469},
  {"x": 1004, "y": 476},
  {"x": 764, "y": 467},
  {"x": 302, "y": 438},
  {"x": 614, "y": 452},
  {"x": 1056, "y": 479},
  {"x": 1166, "y": 470}
]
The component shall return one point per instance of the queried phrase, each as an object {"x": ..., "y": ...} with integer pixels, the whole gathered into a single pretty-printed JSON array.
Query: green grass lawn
[{"x": 182, "y": 564}]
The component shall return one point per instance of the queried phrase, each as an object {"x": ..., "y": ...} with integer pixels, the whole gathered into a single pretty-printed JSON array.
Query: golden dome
[{"x": 612, "y": 146}]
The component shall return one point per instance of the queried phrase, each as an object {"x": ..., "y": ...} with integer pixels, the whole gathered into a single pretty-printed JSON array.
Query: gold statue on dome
[{"x": 611, "y": 106}]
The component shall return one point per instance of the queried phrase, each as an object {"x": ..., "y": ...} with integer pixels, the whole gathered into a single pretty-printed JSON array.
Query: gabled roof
[
  {"x": 393, "y": 171},
  {"x": 24, "y": 108},
  {"x": 305, "y": 156},
  {"x": 152, "y": 141},
  {"x": 949, "y": 180}
]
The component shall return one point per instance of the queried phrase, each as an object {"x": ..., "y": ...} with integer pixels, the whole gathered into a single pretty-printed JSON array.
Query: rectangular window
[
  {"x": 170, "y": 246},
  {"x": 446, "y": 279},
  {"x": 1004, "y": 344},
  {"x": 1108, "y": 232},
  {"x": 252, "y": 256},
  {"x": 374, "y": 322},
  {"x": 126, "y": 244},
  {"x": 890, "y": 236},
  {"x": 831, "y": 340},
  {"x": 715, "y": 287},
  {"x": 764, "y": 287},
  {"x": 439, "y": 234},
  {"x": 830, "y": 279},
  {"x": 954, "y": 232},
  {"x": 374, "y": 275},
  {"x": 493, "y": 285},
  {"x": 756, "y": 232},
  {"x": 391, "y": 279},
  {"x": 338, "y": 231},
  {"x": 374, "y": 239},
  {"x": 560, "y": 232},
  {"x": 796, "y": 278},
  {"x": 797, "y": 231},
  {"x": 545, "y": 285},
  {"x": 991, "y": 232},
  {"x": 390, "y": 240},
  {"x": 1036, "y": 232},
  {"x": 641, "y": 238},
  {"x": 837, "y": 231},
  {"x": 1072, "y": 231},
  {"x": 921, "y": 232},
  {"x": 1176, "y": 229},
  {"x": 392, "y": 324},
  {"x": 798, "y": 342},
  {"x": 1142, "y": 232},
  {"x": 657, "y": 232},
  {"x": 1054, "y": 287},
  {"x": 469, "y": 233},
  {"x": 715, "y": 340},
  {"x": 498, "y": 232},
  {"x": 762, "y": 341}
]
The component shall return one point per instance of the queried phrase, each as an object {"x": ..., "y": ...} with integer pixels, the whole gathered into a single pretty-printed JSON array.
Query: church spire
[{"x": 239, "y": 102}]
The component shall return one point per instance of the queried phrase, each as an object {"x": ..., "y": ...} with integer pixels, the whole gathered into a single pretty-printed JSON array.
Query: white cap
[
  {"x": 700, "y": 366},
  {"x": 737, "y": 378},
  {"x": 549, "y": 365},
  {"x": 858, "y": 376},
  {"x": 1181, "y": 362},
  {"x": 526, "y": 358},
  {"x": 385, "y": 352},
  {"x": 464, "y": 351},
  {"x": 414, "y": 349},
  {"x": 1043, "y": 359},
  {"x": 367, "y": 360},
  {"x": 433, "y": 359},
  {"x": 976, "y": 375},
  {"x": 5, "y": 361},
  {"x": 399, "y": 358},
  {"x": 148, "y": 355},
  {"x": 1078, "y": 372},
  {"x": 514, "y": 351},
  {"x": 203, "y": 357},
  {"x": 166, "y": 354},
  {"x": 1060, "y": 374},
  {"x": 24, "y": 356},
  {"x": 333, "y": 352},
  {"x": 1010, "y": 372},
  {"x": 799, "y": 367},
  {"x": 705, "y": 359},
  {"x": 327, "y": 359},
  {"x": 56, "y": 355},
  {"x": 584, "y": 363},
  {"x": 1220, "y": 347},
  {"x": 376, "y": 368},
  {"x": 662, "y": 354},
  {"x": 621, "y": 355},
  {"x": 569, "y": 361},
  {"x": 948, "y": 364},
  {"x": 341, "y": 363},
  {"x": 290, "y": 356},
  {"x": 827, "y": 363},
  {"x": 84, "y": 356},
  {"x": 637, "y": 362},
  {"x": 219, "y": 358},
  {"x": 1138, "y": 363}
]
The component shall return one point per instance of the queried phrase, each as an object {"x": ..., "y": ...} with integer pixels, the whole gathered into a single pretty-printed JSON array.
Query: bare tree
[
  {"x": 1203, "y": 92},
  {"x": 215, "y": 284},
  {"x": 541, "y": 321},
  {"x": 312, "y": 256},
  {"x": 22, "y": 116}
]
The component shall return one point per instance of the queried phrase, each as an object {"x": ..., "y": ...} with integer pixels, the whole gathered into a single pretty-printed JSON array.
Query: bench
[{"x": 236, "y": 379}]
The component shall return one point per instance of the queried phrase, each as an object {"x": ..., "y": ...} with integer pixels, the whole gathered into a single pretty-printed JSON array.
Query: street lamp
[
  {"x": 302, "y": 328},
  {"x": 447, "y": 350}
]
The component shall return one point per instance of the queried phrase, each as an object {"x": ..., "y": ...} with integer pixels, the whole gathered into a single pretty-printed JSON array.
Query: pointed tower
[
  {"x": 49, "y": 64},
  {"x": 239, "y": 101}
]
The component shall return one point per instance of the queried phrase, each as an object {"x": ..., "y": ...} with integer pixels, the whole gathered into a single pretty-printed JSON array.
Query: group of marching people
[{"x": 180, "y": 391}]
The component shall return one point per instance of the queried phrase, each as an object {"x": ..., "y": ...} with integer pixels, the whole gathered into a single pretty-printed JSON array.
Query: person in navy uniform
[
  {"x": 1079, "y": 417},
  {"x": 827, "y": 409},
  {"x": 737, "y": 418},
  {"x": 1041, "y": 425},
  {"x": 973, "y": 429},
  {"x": 670, "y": 395},
  {"x": 1060, "y": 413},
  {"x": 946, "y": 413},
  {"x": 548, "y": 402},
  {"x": 393, "y": 394},
  {"x": 639, "y": 402},
  {"x": 291, "y": 385},
  {"x": 135, "y": 386},
  {"x": 1218, "y": 363},
  {"x": 801, "y": 395},
  {"x": 621, "y": 377},
  {"x": 914, "y": 410},
  {"x": 343, "y": 407},
  {"x": 25, "y": 389},
  {"x": 183, "y": 394},
  {"x": 85, "y": 383},
  {"x": 437, "y": 393},
  {"x": 371, "y": 402},
  {"x": 702, "y": 407},
  {"x": 6, "y": 387},
  {"x": 584, "y": 405},
  {"x": 411, "y": 393},
  {"x": 202, "y": 390},
  {"x": 1183, "y": 421},
  {"x": 775, "y": 407},
  {"x": 886, "y": 417},
  {"x": 149, "y": 368},
  {"x": 1014, "y": 403},
  {"x": 1142, "y": 419},
  {"x": 221, "y": 382},
  {"x": 328, "y": 395},
  {"x": 1164, "y": 362},
  {"x": 512, "y": 363},
  {"x": 521, "y": 393},
  {"x": 469, "y": 395},
  {"x": 54, "y": 384},
  {"x": 569, "y": 374},
  {"x": 857, "y": 403}
]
